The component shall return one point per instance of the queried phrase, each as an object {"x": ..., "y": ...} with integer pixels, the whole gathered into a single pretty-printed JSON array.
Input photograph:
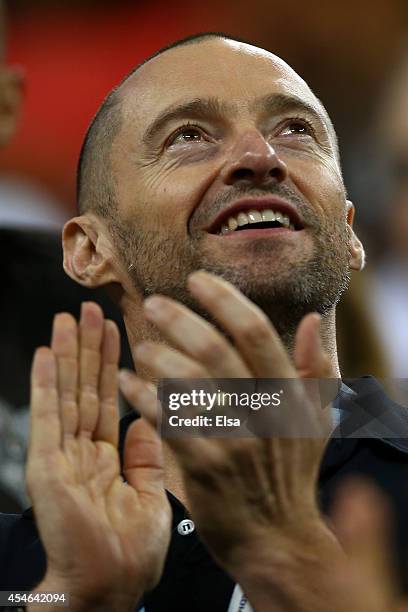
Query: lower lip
[{"x": 255, "y": 233}]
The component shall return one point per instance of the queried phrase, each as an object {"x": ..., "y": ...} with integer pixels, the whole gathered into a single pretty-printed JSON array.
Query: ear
[
  {"x": 356, "y": 249},
  {"x": 88, "y": 258},
  {"x": 11, "y": 92}
]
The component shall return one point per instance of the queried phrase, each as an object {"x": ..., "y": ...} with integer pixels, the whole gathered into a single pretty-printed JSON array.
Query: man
[{"x": 199, "y": 143}]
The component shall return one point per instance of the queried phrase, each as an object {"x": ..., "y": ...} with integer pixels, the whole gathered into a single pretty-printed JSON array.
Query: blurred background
[{"x": 354, "y": 54}]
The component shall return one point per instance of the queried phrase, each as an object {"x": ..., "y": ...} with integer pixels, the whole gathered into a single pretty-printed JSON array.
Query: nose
[{"x": 254, "y": 160}]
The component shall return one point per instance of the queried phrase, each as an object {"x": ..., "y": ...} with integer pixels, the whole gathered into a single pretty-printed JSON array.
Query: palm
[
  {"x": 87, "y": 463},
  {"x": 95, "y": 527}
]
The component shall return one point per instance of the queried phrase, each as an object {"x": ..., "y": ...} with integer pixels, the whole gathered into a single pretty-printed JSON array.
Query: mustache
[{"x": 223, "y": 200}]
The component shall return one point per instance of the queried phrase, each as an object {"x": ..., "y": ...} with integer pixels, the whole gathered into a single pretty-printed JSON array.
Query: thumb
[
  {"x": 313, "y": 363},
  {"x": 140, "y": 394},
  {"x": 311, "y": 360},
  {"x": 143, "y": 458}
]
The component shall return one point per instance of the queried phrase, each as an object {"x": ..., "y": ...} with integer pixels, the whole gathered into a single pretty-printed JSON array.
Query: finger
[
  {"x": 91, "y": 327},
  {"x": 45, "y": 425},
  {"x": 310, "y": 358},
  {"x": 143, "y": 458},
  {"x": 107, "y": 428},
  {"x": 196, "y": 337},
  {"x": 314, "y": 366},
  {"x": 140, "y": 394},
  {"x": 362, "y": 520},
  {"x": 251, "y": 330},
  {"x": 164, "y": 362},
  {"x": 64, "y": 344}
]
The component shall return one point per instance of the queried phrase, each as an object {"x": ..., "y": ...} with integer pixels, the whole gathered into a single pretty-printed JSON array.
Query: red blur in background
[
  {"x": 73, "y": 53},
  {"x": 71, "y": 58}
]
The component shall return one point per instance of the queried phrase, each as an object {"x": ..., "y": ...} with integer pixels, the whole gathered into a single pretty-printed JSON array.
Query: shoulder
[{"x": 371, "y": 440}]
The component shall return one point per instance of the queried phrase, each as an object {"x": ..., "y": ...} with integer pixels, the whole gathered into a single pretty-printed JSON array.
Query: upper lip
[{"x": 245, "y": 204}]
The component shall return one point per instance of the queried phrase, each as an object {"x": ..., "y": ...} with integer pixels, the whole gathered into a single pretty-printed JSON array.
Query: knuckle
[
  {"x": 86, "y": 431},
  {"x": 211, "y": 351},
  {"x": 89, "y": 393},
  {"x": 68, "y": 398},
  {"x": 193, "y": 371},
  {"x": 207, "y": 473},
  {"x": 255, "y": 330},
  {"x": 109, "y": 403},
  {"x": 224, "y": 289}
]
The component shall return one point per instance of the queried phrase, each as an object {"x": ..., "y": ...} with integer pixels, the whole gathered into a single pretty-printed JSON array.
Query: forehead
[{"x": 233, "y": 72}]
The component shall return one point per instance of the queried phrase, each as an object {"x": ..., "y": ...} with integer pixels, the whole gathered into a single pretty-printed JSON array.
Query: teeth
[
  {"x": 232, "y": 223},
  {"x": 268, "y": 215},
  {"x": 255, "y": 216},
  {"x": 242, "y": 219}
]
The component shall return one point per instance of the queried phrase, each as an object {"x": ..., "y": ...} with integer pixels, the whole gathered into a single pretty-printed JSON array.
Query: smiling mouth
[{"x": 257, "y": 219}]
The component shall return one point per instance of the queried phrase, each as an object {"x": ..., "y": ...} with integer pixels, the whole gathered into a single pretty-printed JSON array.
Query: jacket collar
[{"x": 370, "y": 413}]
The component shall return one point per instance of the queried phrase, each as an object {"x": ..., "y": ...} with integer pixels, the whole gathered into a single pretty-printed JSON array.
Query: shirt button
[{"x": 185, "y": 527}]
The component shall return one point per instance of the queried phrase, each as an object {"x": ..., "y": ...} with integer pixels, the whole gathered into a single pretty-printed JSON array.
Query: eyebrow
[
  {"x": 274, "y": 103},
  {"x": 277, "y": 103},
  {"x": 197, "y": 108}
]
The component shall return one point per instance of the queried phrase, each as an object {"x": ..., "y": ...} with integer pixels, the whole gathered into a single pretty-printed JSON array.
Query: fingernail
[
  {"x": 154, "y": 304},
  {"x": 200, "y": 279},
  {"x": 199, "y": 274},
  {"x": 124, "y": 378}
]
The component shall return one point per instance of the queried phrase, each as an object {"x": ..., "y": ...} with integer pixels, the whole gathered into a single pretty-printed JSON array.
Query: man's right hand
[
  {"x": 253, "y": 499},
  {"x": 105, "y": 539}
]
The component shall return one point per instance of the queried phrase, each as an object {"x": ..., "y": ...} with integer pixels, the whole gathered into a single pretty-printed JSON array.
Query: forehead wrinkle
[{"x": 198, "y": 107}]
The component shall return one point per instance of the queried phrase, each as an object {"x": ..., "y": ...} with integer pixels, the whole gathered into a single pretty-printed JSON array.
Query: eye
[
  {"x": 297, "y": 127},
  {"x": 185, "y": 135}
]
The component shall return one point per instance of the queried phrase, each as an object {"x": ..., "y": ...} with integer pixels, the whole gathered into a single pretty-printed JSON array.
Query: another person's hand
[
  {"x": 105, "y": 539},
  {"x": 253, "y": 499},
  {"x": 363, "y": 522}
]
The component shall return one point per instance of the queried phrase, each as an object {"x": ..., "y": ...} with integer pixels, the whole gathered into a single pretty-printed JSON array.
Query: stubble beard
[{"x": 162, "y": 265}]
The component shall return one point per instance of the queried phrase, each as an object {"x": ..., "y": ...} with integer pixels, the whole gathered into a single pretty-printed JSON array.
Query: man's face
[{"x": 216, "y": 130}]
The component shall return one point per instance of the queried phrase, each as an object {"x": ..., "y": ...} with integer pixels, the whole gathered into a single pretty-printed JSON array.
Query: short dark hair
[{"x": 95, "y": 185}]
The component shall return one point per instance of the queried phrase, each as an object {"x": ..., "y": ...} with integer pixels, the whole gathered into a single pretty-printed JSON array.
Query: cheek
[
  {"x": 321, "y": 183},
  {"x": 173, "y": 193}
]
